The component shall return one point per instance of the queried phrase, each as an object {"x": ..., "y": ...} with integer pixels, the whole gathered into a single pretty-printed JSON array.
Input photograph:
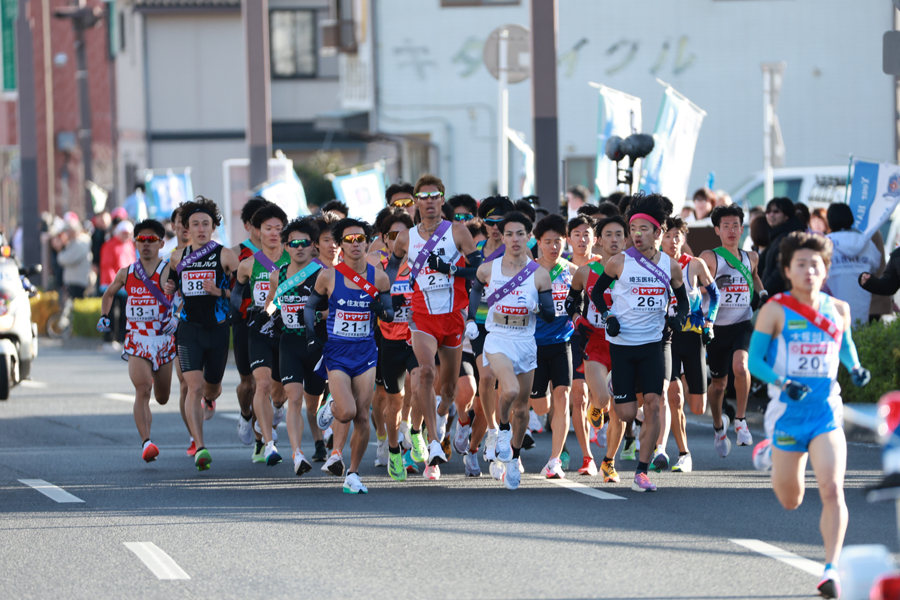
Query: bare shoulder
[{"x": 382, "y": 281}]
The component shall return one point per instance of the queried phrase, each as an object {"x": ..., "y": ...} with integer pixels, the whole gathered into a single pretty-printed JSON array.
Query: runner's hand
[
  {"x": 378, "y": 307},
  {"x": 397, "y": 301},
  {"x": 796, "y": 390},
  {"x": 314, "y": 346},
  {"x": 708, "y": 335},
  {"x": 104, "y": 325},
  {"x": 674, "y": 323},
  {"x": 171, "y": 326},
  {"x": 471, "y": 330},
  {"x": 860, "y": 376},
  {"x": 436, "y": 263},
  {"x": 612, "y": 325},
  {"x": 169, "y": 287}
]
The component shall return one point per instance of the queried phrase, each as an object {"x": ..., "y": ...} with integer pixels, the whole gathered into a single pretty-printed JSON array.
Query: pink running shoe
[
  {"x": 209, "y": 408},
  {"x": 642, "y": 483}
]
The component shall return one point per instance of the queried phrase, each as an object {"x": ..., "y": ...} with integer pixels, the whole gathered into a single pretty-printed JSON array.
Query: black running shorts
[
  {"x": 239, "y": 332},
  {"x": 396, "y": 359},
  {"x": 554, "y": 365},
  {"x": 689, "y": 358},
  {"x": 263, "y": 352},
  {"x": 297, "y": 366},
  {"x": 642, "y": 365},
  {"x": 577, "y": 356},
  {"x": 728, "y": 340},
  {"x": 467, "y": 366},
  {"x": 204, "y": 350}
]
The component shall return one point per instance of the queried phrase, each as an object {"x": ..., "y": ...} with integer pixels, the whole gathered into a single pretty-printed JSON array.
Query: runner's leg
[
  {"x": 294, "y": 418},
  {"x": 676, "y": 407},
  {"x": 363, "y": 388},
  {"x": 828, "y": 455},
  {"x": 425, "y": 347},
  {"x": 788, "y": 478},
  {"x": 141, "y": 372},
  {"x": 193, "y": 405},
  {"x": 262, "y": 405},
  {"x": 741, "y": 381}
]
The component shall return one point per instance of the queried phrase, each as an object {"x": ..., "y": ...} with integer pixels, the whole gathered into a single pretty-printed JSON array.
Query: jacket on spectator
[
  {"x": 114, "y": 255},
  {"x": 853, "y": 254},
  {"x": 75, "y": 260},
  {"x": 770, "y": 274},
  {"x": 889, "y": 283}
]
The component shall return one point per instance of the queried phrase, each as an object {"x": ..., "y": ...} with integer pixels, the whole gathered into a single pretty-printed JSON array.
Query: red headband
[{"x": 644, "y": 216}]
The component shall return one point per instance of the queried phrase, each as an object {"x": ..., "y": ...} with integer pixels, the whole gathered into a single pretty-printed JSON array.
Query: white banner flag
[{"x": 619, "y": 114}]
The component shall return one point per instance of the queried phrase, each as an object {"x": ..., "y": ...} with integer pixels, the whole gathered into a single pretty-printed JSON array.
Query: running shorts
[
  {"x": 204, "y": 350},
  {"x": 642, "y": 365},
  {"x": 467, "y": 366},
  {"x": 522, "y": 353},
  {"x": 597, "y": 350},
  {"x": 396, "y": 359},
  {"x": 447, "y": 329},
  {"x": 263, "y": 352},
  {"x": 239, "y": 332},
  {"x": 158, "y": 349},
  {"x": 297, "y": 366},
  {"x": 577, "y": 357},
  {"x": 689, "y": 358},
  {"x": 554, "y": 365},
  {"x": 793, "y": 425},
  {"x": 353, "y": 358},
  {"x": 728, "y": 340}
]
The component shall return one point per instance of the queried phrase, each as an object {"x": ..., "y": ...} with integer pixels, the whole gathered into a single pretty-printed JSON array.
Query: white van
[{"x": 814, "y": 186}]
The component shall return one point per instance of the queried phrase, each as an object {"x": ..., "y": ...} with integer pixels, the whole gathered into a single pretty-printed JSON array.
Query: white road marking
[
  {"x": 37, "y": 385},
  {"x": 581, "y": 488},
  {"x": 788, "y": 558},
  {"x": 51, "y": 491},
  {"x": 233, "y": 416},
  {"x": 119, "y": 397},
  {"x": 160, "y": 563}
]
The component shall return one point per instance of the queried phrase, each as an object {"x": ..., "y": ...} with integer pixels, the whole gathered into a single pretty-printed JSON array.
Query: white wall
[
  {"x": 130, "y": 98},
  {"x": 303, "y": 99}
]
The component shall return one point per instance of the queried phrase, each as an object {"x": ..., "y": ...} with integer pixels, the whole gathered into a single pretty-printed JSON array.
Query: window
[
  {"x": 292, "y": 35},
  {"x": 785, "y": 187},
  {"x": 451, "y": 3}
]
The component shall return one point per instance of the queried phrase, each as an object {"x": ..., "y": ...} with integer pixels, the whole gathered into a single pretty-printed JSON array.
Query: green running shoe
[
  {"x": 259, "y": 454},
  {"x": 419, "y": 451},
  {"x": 202, "y": 459},
  {"x": 409, "y": 463},
  {"x": 396, "y": 468},
  {"x": 564, "y": 459},
  {"x": 628, "y": 452}
]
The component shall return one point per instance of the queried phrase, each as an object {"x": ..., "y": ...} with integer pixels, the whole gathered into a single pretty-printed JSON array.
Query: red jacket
[{"x": 114, "y": 255}]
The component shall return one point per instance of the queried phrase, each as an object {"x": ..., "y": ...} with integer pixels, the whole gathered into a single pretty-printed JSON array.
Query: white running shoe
[
  {"x": 301, "y": 465},
  {"x": 512, "y": 477},
  {"x": 490, "y": 445},
  {"x": 245, "y": 430},
  {"x": 334, "y": 465},
  {"x": 473, "y": 469},
  {"x": 432, "y": 473},
  {"x": 436, "y": 454},
  {"x": 324, "y": 416},
  {"x": 461, "y": 439},
  {"x": 381, "y": 453},
  {"x": 744, "y": 437},
  {"x": 601, "y": 435},
  {"x": 259, "y": 431},
  {"x": 504, "y": 449},
  {"x": 278, "y": 415},
  {"x": 553, "y": 469},
  {"x": 685, "y": 464},
  {"x": 762, "y": 455},
  {"x": 720, "y": 438},
  {"x": 534, "y": 422},
  {"x": 405, "y": 440},
  {"x": 352, "y": 485},
  {"x": 497, "y": 469},
  {"x": 521, "y": 466},
  {"x": 271, "y": 454},
  {"x": 441, "y": 426}
]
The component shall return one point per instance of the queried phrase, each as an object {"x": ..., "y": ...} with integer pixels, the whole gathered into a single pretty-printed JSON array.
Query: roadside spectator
[
  {"x": 782, "y": 218},
  {"x": 687, "y": 211},
  {"x": 853, "y": 253},
  {"x": 102, "y": 222},
  {"x": 888, "y": 283},
  {"x": 818, "y": 221},
  {"x": 136, "y": 204},
  {"x": 704, "y": 202},
  {"x": 723, "y": 198},
  {"x": 759, "y": 234},
  {"x": 802, "y": 212},
  {"x": 73, "y": 252},
  {"x": 117, "y": 253},
  {"x": 576, "y": 197},
  {"x": 881, "y": 305}
]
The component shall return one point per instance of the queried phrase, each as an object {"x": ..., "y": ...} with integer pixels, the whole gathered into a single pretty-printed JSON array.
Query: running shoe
[
  {"x": 334, "y": 465},
  {"x": 278, "y": 416},
  {"x": 432, "y": 472},
  {"x": 324, "y": 416},
  {"x": 405, "y": 440},
  {"x": 504, "y": 449},
  {"x": 409, "y": 463},
  {"x": 490, "y": 445},
  {"x": 150, "y": 452},
  {"x": 521, "y": 466},
  {"x": 209, "y": 408},
  {"x": 245, "y": 430},
  {"x": 320, "y": 454},
  {"x": 259, "y": 431},
  {"x": 441, "y": 423},
  {"x": 381, "y": 453},
  {"x": 830, "y": 586},
  {"x": 352, "y": 485},
  {"x": 628, "y": 451},
  {"x": 301, "y": 465},
  {"x": 610, "y": 475},
  {"x": 720, "y": 439},
  {"x": 598, "y": 417},
  {"x": 660, "y": 460},
  {"x": 328, "y": 436},
  {"x": 685, "y": 464},
  {"x": 512, "y": 477},
  {"x": 419, "y": 451},
  {"x": 528, "y": 440},
  {"x": 436, "y": 454},
  {"x": 601, "y": 437},
  {"x": 202, "y": 460},
  {"x": 396, "y": 469},
  {"x": 553, "y": 469},
  {"x": 258, "y": 453},
  {"x": 272, "y": 456},
  {"x": 447, "y": 446},
  {"x": 473, "y": 469},
  {"x": 534, "y": 422},
  {"x": 762, "y": 455},
  {"x": 192, "y": 449},
  {"x": 461, "y": 439},
  {"x": 642, "y": 483},
  {"x": 588, "y": 467},
  {"x": 744, "y": 437},
  {"x": 564, "y": 458},
  {"x": 497, "y": 469}
]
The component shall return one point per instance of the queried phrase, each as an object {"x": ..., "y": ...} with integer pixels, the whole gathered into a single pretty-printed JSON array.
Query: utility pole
[
  {"x": 83, "y": 18},
  {"x": 543, "y": 102},
  {"x": 503, "y": 120},
  {"x": 28, "y": 183},
  {"x": 259, "y": 118}
]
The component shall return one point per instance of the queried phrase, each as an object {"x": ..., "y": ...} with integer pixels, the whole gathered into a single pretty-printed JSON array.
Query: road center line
[
  {"x": 788, "y": 558},
  {"x": 51, "y": 491},
  {"x": 581, "y": 488},
  {"x": 27, "y": 383},
  {"x": 159, "y": 563},
  {"x": 119, "y": 397}
]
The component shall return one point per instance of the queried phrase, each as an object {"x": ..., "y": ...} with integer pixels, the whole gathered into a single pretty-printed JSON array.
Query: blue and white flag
[
  {"x": 667, "y": 170},
  {"x": 619, "y": 114},
  {"x": 287, "y": 193},
  {"x": 874, "y": 195},
  {"x": 362, "y": 192}
]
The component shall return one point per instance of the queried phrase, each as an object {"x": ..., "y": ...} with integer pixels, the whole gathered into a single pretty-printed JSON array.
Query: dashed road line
[
  {"x": 159, "y": 563},
  {"x": 37, "y": 385},
  {"x": 51, "y": 491},
  {"x": 119, "y": 397},
  {"x": 581, "y": 488},
  {"x": 788, "y": 558}
]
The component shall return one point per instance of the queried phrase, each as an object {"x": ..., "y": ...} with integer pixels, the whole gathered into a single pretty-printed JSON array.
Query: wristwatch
[{"x": 453, "y": 270}]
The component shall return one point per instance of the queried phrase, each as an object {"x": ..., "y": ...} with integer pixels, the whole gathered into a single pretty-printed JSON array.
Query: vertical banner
[
  {"x": 874, "y": 194},
  {"x": 362, "y": 192},
  {"x": 287, "y": 193},
  {"x": 619, "y": 114},
  {"x": 165, "y": 192},
  {"x": 667, "y": 170},
  {"x": 8, "y": 13}
]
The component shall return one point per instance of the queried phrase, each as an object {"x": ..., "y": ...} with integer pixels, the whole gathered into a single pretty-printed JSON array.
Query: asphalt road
[{"x": 245, "y": 530}]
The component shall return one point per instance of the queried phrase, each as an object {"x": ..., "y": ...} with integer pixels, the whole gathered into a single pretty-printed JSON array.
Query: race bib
[
  {"x": 649, "y": 299},
  {"x": 142, "y": 309},
  {"x": 351, "y": 324},
  {"x": 260, "y": 292},
  {"x": 594, "y": 319},
  {"x": 511, "y": 316},
  {"x": 292, "y": 315},
  {"x": 432, "y": 281},
  {"x": 192, "y": 282},
  {"x": 736, "y": 295},
  {"x": 560, "y": 291},
  {"x": 810, "y": 359},
  {"x": 402, "y": 287}
]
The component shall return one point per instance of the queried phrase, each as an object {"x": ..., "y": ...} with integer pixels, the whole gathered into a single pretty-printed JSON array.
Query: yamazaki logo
[{"x": 648, "y": 291}]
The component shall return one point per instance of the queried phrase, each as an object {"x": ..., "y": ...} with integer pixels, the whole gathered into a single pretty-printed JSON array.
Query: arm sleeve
[
  {"x": 309, "y": 313},
  {"x": 889, "y": 283},
  {"x": 469, "y": 272},
  {"x": 849, "y": 357},
  {"x": 387, "y": 308},
  {"x": 547, "y": 308},
  {"x": 603, "y": 283},
  {"x": 714, "y": 297},
  {"x": 683, "y": 308},
  {"x": 759, "y": 368},
  {"x": 574, "y": 303},
  {"x": 236, "y": 295},
  {"x": 393, "y": 267},
  {"x": 474, "y": 298}
]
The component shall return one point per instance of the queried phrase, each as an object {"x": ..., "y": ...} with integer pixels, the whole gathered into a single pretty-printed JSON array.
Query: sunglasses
[
  {"x": 463, "y": 217},
  {"x": 142, "y": 239},
  {"x": 299, "y": 244},
  {"x": 426, "y": 195},
  {"x": 772, "y": 210},
  {"x": 355, "y": 238},
  {"x": 496, "y": 221},
  {"x": 391, "y": 235},
  {"x": 403, "y": 202}
]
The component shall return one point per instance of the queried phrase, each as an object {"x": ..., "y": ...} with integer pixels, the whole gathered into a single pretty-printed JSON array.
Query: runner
[
  {"x": 289, "y": 290},
  {"x": 554, "y": 353},
  {"x": 434, "y": 251},
  {"x": 184, "y": 238},
  {"x": 148, "y": 350},
  {"x": 254, "y": 274},
  {"x": 355, "y": 291},
  {"x": 201, "y": 276},
  {"x": 799, "y": 337},
  {"x": 688, "y": 344},
  {"x": 735, "y": 273},
  {"x": 635, "y": 324},
  {"x": 401, "y": 195},
  {"x": 517, "y": 287},
  {"x": 464, "y": 206}
]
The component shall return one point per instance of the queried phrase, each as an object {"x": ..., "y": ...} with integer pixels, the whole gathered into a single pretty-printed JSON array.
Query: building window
[
  {"x": 452, "y": 3},
  {"x": 292, "y": 35}
]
